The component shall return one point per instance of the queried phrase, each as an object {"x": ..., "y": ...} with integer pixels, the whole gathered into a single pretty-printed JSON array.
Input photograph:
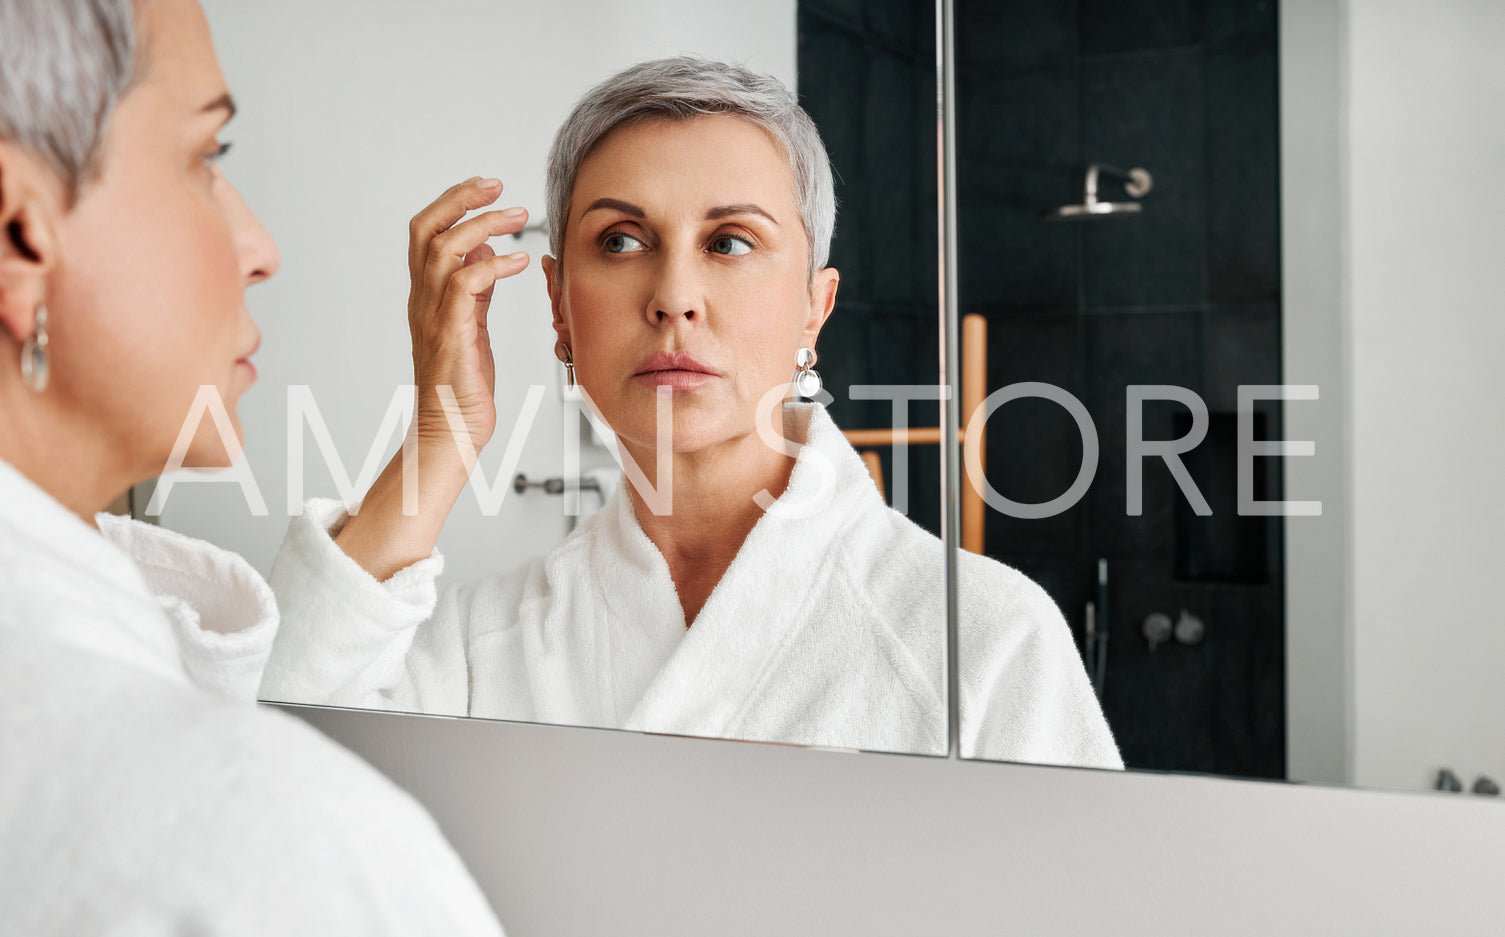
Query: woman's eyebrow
[
  {"x": 726, "y": 211},
  {"x": 714, "y": 214},
  {"x": 626, "y": 208}
]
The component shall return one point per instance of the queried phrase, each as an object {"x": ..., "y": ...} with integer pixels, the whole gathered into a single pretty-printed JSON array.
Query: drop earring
[
  {"x": 35, "y": 366},
  {"x": 807, "y": 381},
  {"x": 562, "y": 352}
]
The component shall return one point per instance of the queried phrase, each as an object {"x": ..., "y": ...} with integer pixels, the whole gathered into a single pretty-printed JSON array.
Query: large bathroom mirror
[
  {"x": 826, "y": 630},
  {"x": 1189, "y": 234},
  {"x": 1224, "y": 271}
]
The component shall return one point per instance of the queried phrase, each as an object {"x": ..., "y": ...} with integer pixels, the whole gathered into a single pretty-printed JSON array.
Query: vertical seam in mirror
[{"x": 945, "y": 86}]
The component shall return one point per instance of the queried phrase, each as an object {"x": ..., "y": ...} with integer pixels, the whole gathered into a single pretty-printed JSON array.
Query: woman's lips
[
  {"x": 677, "y": 381},
  {"x": 679, "y": 371},
  {"x": 246, "y": 361}
]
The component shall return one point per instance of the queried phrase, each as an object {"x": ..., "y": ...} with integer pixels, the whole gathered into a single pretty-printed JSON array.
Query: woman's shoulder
[
  {"x": 988, "y": 588},
  {"x": 1007, "y": 621},
  {"x": 250, "y": 793},
  {"x": 103, "y": 717}
]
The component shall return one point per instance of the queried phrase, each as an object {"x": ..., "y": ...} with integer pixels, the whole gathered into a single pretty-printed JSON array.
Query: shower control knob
[
  {"x": 1157, "y": 628},
  {"x": 1190, "y": 629}
]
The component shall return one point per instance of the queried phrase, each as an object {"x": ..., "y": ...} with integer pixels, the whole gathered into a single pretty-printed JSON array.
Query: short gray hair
[
  {"x": 63, "y": 66},
  {"x": 682, "y": 88}
]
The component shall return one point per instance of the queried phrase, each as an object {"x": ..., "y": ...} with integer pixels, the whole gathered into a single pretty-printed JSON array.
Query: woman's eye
[
  {"x": 619, "y": 243},
  {"x": 731, "y": 246}
]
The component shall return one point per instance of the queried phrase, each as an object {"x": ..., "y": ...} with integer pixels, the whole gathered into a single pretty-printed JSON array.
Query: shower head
[
  {"x": 1091, "y": 209},
  {"x": 1137, "y": 183}
]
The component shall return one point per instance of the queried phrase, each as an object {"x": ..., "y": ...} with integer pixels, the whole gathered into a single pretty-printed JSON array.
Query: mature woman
[
  {"x": 141, "y": 790},
  {"x": 772, "y": 595}
]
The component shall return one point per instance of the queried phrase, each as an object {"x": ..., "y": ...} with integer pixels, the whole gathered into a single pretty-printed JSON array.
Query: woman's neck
[
  {"x": 712, "y": 511},
  {"x": 67, "y": 461}
]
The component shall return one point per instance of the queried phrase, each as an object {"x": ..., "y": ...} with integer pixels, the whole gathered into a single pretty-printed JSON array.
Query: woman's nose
[
  {"x": 677, "y": 291},
  {"x": 259, "y": 256}
]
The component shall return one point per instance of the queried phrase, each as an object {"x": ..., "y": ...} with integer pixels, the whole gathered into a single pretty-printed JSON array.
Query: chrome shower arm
[{"x": 1137, "y": 181}]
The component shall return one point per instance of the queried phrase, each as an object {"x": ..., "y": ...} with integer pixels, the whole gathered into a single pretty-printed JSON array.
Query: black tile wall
[
  {"x": 863, "y": 344},
  {"x": 1147, "y": 111},
  {"x": 1223, "y": 546},
  {"x": 1110, "y": 26},
  {"x": 1217, "y": 706},
  {"x": 1016, "y": 35},
  {"x": 1241, "y": 345},
  {"x": 1017, "y": 150},
  {"x": 1187, "y": 292},
  {"x": 881, "y": 215},
  {"x": 848, "y": 12},
  {"x": 1137, "y": 348},
  {"x": 1034, "y": 447},
  {"x": 844, "y": 361},
  {"x": 1248, "y": 25},
  {"x": 1156, "y": 701},
  {"x": 867, "y": 78},
  {"x": 1243, "y": 173},
  {"x": 909, "y": 24},
  {"x": 832, "y": 69}
]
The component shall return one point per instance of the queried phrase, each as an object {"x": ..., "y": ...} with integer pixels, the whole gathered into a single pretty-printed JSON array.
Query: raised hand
[{"x": 454, "y": 272}]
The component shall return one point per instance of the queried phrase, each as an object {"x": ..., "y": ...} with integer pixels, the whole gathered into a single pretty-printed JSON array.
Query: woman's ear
[
  {"x": 556, "y": 296},
  {"x": 30, "y": 204},
  {"x": 822, "y": 302}
]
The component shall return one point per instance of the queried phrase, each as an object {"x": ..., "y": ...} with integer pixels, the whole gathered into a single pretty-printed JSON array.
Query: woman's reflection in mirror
[
  {"x": 690, "y": 215},
  {"x": 141, "y": 789}
]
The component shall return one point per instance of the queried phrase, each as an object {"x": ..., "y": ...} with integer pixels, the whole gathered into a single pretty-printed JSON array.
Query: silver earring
[
  {"x": 35, "y": 366},
  {"x": 806, "y": 379},
  {"x": 562, "y": 352}
]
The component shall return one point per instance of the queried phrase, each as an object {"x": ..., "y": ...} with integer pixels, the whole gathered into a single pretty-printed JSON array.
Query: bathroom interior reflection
[{"x": 1120, "y": 225}]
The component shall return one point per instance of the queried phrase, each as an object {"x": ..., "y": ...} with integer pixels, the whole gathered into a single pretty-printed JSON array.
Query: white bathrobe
[
  {"x": 142, "y": 791},
  {"x": 828, "y": 629}
]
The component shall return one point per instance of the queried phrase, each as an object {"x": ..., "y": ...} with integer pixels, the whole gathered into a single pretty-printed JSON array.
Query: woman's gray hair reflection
[
  {"x": 142, "y": 790},
  {"x": 774, "y": 596},
  {"x": 682, "y": 88}
]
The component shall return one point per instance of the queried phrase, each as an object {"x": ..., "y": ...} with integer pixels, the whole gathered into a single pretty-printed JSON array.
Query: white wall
[
  {"x": 1426, "y": 220},
  {"x": 355, "y": 116},
  {"x": 1392, "y": 230}
]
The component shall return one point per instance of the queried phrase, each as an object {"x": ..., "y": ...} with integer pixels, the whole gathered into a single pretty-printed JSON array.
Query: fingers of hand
[
  {"x": 483, "y": 299},
  {"x": 447, "y": 251},
  {"x": 444, "y": 211},
  {"x": 474, "y": 282},
  {"x": 483, "y": 252}
]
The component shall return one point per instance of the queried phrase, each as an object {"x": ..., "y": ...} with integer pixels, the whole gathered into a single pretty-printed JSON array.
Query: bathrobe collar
[
  {"x": 155, "y": 599},
  {"x": 718, "y": 666},
  {"x": 63, "y": 580}
]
